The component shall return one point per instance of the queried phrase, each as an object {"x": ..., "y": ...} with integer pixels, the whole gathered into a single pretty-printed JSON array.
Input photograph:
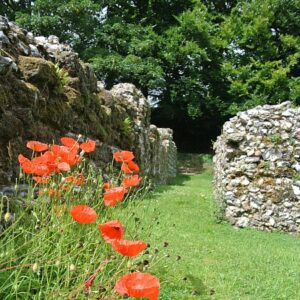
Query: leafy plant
[
  {"x": 127, "y": 126},
  {"x": 63, "y": 79}
]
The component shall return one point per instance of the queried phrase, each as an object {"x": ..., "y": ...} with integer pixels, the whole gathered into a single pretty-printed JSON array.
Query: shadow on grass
[{"x": 199, "y": 288}]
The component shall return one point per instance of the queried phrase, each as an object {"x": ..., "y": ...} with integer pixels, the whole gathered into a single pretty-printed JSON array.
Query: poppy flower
[
  {"x": 133, "y": 167},
  {"x": 138, "y": 285},
  {"x": 111, "y": 230},
  {"x": 113, "y": 195},
  {"x": 131, "y": 181},
  {"x": 63, "y": 166},
  {"x": 106, "y": 185},
  {"x": 41, "y": 180},
  {"x": 123, "y": 156},
  {"x": 88, "y": 146},
  {"x": 130, "y": 167},
  {"x": 90, "y": 281},
  {"x": 37, "y": 146},
  {"x": 83, "y": 214},
  {"x": 128, "y": 248},
  {"x": 26, "y": 164},
  {"x": 69, "y": 142}
]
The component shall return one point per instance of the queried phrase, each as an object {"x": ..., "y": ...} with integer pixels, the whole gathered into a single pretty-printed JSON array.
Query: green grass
[
  {"x": 218, "y": 261},
  {"x": 193, "y": 256}
]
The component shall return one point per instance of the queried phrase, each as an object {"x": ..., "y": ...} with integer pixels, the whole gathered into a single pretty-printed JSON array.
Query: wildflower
[
  {"x": 90, "y": 281},
  {"x": 72, "y": 267},
  {"x": 69, "y": 142},
  {"x": 133, "y": 167},
  {"x": 111, "y": 230},
  {"x": 113, "y": 195},
  {"x": 123, "y": 156},
  {"x": 26, "y": 164},
  {"x": 35, "y": 267},
  {"x": 37, "y": 146},
  {"x": 7, "y": 217},
  {"x": 131, "y": 181},
  {"x": 138, "y": 285},
  {"x": 88, "y": 146},
  {"x": 130, "y": 167},
  {"x": 83, "y": 214},
  {"x": 106, "y": 185},
  {"x": 128, "y": 248}
]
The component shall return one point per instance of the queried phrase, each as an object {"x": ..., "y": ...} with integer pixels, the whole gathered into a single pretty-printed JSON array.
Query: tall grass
[{"x": 45, "y": 254}]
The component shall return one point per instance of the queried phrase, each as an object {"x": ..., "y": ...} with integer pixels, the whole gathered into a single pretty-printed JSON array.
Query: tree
[{"x": 262, "y": 53}]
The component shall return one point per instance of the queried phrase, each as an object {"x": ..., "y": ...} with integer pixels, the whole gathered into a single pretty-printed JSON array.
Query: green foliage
[
  {"x": 262, "y": 53},
  {"x": 63, "y": 78},
  {"x": 127, "y": 126},
  {"x": 201, "y": 61}
]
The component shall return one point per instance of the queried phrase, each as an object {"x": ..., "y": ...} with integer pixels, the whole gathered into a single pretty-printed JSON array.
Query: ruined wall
[
  {"x": 46, "y": 92},
  {"x": 256, "y": 168}
]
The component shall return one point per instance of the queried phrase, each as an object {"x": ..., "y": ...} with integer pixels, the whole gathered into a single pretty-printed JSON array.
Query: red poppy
[
  {"x": 128, "y": 248},
  {"x": 37, "y": 146},
  {"x": 106, "y": 185},
  {"x": 41, "y": 180},
  {"x": 112, "y": 196},
  {"x": 138, "y": 285},
  {"x": 65, "y": 154},
  {"x": 83, "y": 214},
  {"x": 63, "y": 166},
  {"x": 90, "y": 281},
  {"x": 88, "y": 146},
  {"x": 123, "y": 156},
  {"x": 69, "y": 142},
  {"x": 131, "y": 181},
  {"x": 130, "y": 167},
  {"x": 125, "y": 169},
  {"x": 26, "y": 164},
  {"x": 111, "y": 230}
]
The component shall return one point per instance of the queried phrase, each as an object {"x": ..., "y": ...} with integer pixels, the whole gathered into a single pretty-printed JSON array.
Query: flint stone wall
[
  {"x": 36, "y": 106},
  {"x": 256, "y": 168}
]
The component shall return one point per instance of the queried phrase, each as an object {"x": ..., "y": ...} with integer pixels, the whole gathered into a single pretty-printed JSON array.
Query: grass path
[{"x": 206, "y": 260}]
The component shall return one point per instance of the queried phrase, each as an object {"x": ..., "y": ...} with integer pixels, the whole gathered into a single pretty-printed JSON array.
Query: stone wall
[
  {"x": 47, "y": 92},
  {"x": 256, "y": 168}
]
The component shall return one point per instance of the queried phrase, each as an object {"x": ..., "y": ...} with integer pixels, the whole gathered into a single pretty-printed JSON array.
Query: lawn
[{"x": 207, "y": 260}]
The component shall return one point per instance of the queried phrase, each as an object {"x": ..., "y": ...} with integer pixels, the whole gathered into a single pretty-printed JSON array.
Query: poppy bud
[
  {"x": 72, "y": 268},
  {"x": 166, "y": 244},
  {"x": 156, "y": 250},
  {"x": 129, "y": 264},
  {"x": 7, "y": 217},
  {"x": 35, "y": 267},
  {"x": 178, "y": 257}
]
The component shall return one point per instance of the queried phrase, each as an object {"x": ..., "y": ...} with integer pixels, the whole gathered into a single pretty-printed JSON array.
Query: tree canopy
[{"x": 199, "y": 62}]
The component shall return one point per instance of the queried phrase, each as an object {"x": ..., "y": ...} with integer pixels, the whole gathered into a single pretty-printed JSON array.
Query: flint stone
[
  {"x": 272, "y": 154},
  {"x": 242, "y": 222},
  {"x": 6, "y": 65}
]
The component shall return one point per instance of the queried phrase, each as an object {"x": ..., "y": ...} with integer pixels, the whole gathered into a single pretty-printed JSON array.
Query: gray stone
[
  {"x": 272, "y": 154},
  {"x": 6, "y": 65}
]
